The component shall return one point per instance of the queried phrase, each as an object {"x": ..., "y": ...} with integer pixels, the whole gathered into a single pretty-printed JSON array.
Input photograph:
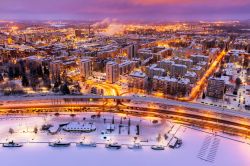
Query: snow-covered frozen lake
[
  {"x": 230, "y": 153},
  {"x": 199, "y": 148}
]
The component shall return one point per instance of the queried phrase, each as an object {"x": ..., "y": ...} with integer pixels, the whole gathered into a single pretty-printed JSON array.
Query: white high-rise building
[
  {"x": 112, "y": 72},
  {"x": 86, "y": 68}
]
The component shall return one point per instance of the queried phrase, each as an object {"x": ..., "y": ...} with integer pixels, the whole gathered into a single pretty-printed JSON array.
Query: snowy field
[{"x": 199, "y": 147}]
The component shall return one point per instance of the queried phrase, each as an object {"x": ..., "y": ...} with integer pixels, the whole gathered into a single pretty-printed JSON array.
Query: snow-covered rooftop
[{"x": 138, "y": 74}]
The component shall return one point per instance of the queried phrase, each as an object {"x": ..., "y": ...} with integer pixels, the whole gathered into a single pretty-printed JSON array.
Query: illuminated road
[
  {"x": 200, "y": 84},
  {"x": 109, "y": 89},
  {"x": 33, "y": 104},
  {"x": 113, "y": 89},
  {"x": 12, "y": 102},
  {"x": 203, "y": 118}
]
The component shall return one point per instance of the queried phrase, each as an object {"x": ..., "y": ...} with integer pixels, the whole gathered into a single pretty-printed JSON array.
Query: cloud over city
[{"x": 125, "y": 9}]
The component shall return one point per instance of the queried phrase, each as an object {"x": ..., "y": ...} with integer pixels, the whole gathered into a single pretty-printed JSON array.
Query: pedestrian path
[{"x": 209, "y": 149}]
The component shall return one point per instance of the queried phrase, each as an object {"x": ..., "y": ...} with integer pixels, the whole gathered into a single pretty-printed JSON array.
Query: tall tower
[
  {"x": 86, "y": 68},
  {"x": 112, "y": 72}
]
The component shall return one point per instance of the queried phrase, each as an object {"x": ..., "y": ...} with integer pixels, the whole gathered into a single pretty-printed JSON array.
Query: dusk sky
[{"x": 152, "y": 10}]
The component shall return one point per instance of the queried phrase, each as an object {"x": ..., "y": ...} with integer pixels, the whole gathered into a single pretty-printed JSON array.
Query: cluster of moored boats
[
  {"x": 89, "y": 144},
  {"x": 114, "y": 145},
  {"x": 174, "y": 143},
  {"x": 66, "y": 144}
]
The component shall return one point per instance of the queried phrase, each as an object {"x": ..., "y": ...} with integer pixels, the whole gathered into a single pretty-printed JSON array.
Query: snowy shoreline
[{"x": 200, "y": 147}]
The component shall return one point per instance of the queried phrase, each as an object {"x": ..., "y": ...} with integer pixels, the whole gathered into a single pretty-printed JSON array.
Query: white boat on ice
[
  {"x": 113, "y": 146},
  {"x": 12, "y": 144},
  {"x": 86, "y": 144},
  {"x": 157, "y": 147},
  {"x": 78, "y": 127},
  {"x": 135, "y": 146},
  {"x": 59, "y": 144}
]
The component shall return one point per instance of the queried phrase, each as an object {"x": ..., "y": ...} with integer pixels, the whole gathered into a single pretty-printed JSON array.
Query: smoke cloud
[{"x": 112, "y": 27}]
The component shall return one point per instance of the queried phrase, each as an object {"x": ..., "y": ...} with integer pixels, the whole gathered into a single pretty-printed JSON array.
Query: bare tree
[
  {"x": 35, "y": 130},
  {"x": 11, "y": 130}
]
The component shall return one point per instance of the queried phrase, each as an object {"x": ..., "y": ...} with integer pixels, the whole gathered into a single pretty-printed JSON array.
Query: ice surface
[{"x": 228, "y": 152}]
